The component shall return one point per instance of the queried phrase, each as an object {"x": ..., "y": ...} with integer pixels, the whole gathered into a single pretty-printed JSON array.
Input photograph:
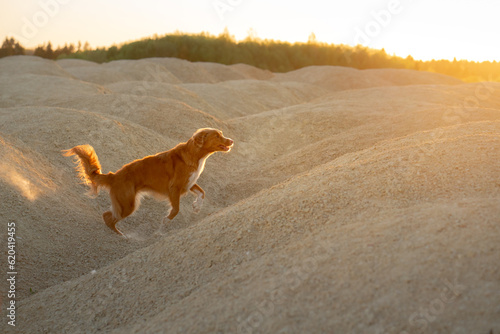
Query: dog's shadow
[{"x": 143, "y": 230}]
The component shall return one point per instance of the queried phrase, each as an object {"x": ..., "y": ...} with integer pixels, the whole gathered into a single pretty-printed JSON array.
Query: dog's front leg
[{"x": 198, "y": 202}]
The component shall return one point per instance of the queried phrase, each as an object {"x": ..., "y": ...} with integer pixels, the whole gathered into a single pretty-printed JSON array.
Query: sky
[{"x": 424, "y": 29}]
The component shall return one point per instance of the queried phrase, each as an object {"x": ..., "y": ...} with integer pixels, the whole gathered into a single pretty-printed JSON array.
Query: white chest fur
[{"x": 196, "y": 174}]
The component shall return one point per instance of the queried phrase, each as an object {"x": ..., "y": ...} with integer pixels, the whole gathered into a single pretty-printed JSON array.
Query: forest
[{"x": 275, "y": 56}]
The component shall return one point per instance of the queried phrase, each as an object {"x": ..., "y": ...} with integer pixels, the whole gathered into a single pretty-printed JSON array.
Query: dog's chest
[{"x": 196, "y": 174}]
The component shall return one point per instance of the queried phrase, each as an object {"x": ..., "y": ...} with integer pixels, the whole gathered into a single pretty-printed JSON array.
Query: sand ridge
[{"x": 353, "y": 201}]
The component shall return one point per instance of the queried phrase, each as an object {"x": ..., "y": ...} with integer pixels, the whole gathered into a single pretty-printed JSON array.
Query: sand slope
[{"x": 353, "y": 201}]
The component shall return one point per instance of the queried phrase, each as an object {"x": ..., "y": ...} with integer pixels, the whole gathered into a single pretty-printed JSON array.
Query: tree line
[
  {"x": 275, "y": 56},
  {"x": 10, "y": 47}
]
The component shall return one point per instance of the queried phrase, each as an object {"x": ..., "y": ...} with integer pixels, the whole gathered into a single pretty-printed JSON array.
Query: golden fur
[{"x": 168, "y": 174}]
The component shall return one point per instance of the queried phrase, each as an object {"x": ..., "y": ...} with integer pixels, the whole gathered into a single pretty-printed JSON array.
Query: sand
[{"x": 353, "y": 201}]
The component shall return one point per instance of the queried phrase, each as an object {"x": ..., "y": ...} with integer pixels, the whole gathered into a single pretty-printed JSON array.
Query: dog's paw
[{"x": 197, "y": 205}]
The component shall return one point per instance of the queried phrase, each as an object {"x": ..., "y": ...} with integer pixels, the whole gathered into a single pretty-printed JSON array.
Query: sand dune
[
  {"x": 345, "y": 78},
  {"x": 353, "y": 201}
]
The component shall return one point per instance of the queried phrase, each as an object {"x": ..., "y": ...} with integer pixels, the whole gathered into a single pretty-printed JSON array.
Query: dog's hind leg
[
  {"x": 111, "y": 221},
  {"x": 123, "y": 204}
]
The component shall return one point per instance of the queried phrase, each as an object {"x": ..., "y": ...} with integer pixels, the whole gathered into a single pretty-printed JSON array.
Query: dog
[{"x": 167, "y": 175}]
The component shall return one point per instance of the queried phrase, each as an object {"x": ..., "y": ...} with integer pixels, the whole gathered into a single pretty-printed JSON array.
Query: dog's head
[{"x": 212, "y": 140}]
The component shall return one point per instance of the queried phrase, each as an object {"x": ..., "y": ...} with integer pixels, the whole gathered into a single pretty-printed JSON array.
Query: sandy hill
[{"x": 353, "y": 201}]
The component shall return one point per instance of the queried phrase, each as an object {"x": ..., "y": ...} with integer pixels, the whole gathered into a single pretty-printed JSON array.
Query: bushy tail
[{"x": 88, "y": 167}]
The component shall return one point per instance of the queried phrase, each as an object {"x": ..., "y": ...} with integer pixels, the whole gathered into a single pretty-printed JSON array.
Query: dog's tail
[{"x": 89, "y": 168}]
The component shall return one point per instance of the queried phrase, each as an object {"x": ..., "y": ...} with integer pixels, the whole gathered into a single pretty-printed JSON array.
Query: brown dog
[{"x": 168, "y": 174}]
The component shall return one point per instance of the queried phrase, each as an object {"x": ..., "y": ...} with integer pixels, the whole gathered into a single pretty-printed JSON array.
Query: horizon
[{"x": 422, "y": 29}]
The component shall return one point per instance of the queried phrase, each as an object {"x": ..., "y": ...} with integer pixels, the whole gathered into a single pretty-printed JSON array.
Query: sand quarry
[{"x": 353, "y": 201}]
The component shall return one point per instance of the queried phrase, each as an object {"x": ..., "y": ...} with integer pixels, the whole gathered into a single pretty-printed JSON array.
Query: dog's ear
[{"x": 199, "y": 138}]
